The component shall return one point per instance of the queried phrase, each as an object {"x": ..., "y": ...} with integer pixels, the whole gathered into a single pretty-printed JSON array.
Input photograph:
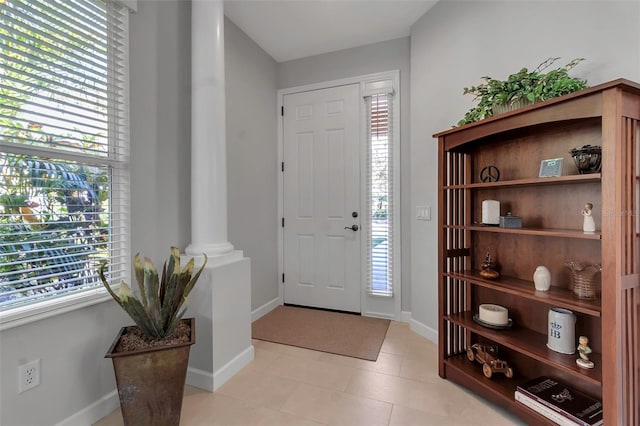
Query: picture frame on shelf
[{"x": 551, "y": 167}]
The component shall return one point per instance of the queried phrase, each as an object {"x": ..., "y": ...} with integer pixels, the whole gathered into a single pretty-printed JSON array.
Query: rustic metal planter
[{"x": 151, "y": 381}]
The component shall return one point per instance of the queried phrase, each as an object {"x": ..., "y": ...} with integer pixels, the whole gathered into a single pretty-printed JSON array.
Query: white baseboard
[
  {"x": 228, "y": 370},
  {"x": 424, "y": 330},
  {"x": 265, "y": 309},
  {"x": 94, "y": 412},
  {"x": 210, "y": 382},
  {"x": 200, "y": 379},
  {"x": 379, "y": 315},
  {"x": 405, "y": 316}
]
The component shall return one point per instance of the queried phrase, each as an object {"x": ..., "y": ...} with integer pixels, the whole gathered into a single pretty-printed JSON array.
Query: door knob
[{"x": 353, "y": 228}]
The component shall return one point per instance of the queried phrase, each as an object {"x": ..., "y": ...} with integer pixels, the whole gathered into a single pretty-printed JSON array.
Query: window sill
[
  {"x": 38, "y": 311},
  {"x": 380, "y": 293}
]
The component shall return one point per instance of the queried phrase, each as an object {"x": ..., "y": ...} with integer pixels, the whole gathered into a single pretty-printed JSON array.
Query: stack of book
[{"x": 560, "y": 403}]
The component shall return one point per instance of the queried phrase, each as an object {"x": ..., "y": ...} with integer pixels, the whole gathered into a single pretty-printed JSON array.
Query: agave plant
[{"x": 158, "y": 308}]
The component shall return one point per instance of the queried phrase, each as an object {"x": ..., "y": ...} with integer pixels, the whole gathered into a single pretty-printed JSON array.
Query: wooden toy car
[{"x": 487, "y": 356}]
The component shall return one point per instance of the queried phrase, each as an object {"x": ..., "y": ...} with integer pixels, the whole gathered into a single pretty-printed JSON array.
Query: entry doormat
[{"x": 326, "y": 331}]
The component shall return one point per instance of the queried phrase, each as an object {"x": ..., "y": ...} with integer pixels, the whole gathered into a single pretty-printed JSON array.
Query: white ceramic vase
[{"x": 542, "y": 278}]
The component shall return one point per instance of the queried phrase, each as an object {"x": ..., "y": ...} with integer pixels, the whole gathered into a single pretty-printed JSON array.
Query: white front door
[{"x": 322, "y": 198}]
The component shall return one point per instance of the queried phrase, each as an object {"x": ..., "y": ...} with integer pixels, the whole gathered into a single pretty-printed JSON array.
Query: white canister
[
  {"x": 562, "y": 331},
  {"x": 542, "y": 278},
  {"x": 491, "y": 212}
]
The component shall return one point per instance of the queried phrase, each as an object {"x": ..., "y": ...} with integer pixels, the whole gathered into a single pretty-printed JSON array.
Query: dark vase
[{"x": 588, "y": 159}]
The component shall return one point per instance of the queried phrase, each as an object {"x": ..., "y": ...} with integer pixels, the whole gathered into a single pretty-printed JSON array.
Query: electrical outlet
[{"x": 28, "y": 375}]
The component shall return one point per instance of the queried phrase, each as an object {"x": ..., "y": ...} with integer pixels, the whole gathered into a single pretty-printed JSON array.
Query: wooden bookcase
[{"x": 607, "y": 115}]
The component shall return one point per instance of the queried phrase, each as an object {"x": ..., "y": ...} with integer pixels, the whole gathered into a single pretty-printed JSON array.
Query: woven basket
[{"x": 585, "y": 279}]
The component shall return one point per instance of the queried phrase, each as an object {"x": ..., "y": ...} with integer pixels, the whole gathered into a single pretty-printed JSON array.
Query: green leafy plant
[
  {"x": 158, "y": 308},
  {"x": 521, "y": 88},
  {"x": 52, "y": 229}
]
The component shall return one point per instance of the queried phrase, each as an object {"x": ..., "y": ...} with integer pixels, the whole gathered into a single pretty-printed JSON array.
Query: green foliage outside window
[{"x": 54, "y": 229}]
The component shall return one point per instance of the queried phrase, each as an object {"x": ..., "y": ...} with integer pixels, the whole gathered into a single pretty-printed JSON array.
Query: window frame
[
  {"x": 376, "y": 305},
  {"x": 118, "y": 159},
  {"x": 372, "y": 99}
]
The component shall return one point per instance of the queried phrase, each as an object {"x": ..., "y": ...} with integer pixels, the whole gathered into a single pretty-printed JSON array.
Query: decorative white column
[
  {"x": 221, "y": 303},
  {"x": 208, "y": 133}
]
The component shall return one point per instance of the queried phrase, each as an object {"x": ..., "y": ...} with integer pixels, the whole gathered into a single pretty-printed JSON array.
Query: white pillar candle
[{"x": 494, "y": 314}]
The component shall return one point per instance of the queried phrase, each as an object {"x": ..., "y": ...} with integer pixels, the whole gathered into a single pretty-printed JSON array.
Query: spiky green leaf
[
  {"x": 138, "y": 267},
  {"x": 141, "y": 317},
  {"x": 161, "y": 304},
  {"x": 151, "y": 287},
  {"x": 163, "y": 284},
  {"x": 195, "y": 278},
  {"x": 173, "y": 265},
  {"x": 124, "y": 292},
  {"x": 103, "y": 266}
]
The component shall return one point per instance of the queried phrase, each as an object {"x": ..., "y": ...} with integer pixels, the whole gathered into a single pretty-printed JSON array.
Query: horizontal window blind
[
  {"x": 64, "y": 174},
  {"x": 379, "y": 195}
]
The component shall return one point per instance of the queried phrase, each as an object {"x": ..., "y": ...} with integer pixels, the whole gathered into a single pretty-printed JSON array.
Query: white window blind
[
  {"x": 380, "y": 194},
  {"x": 64, "y": 180}
]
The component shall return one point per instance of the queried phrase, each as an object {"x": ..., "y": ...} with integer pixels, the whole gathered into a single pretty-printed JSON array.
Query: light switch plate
[{"x": 423, "y": 212}]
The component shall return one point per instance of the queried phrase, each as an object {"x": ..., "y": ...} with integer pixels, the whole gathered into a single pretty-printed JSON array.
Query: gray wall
[
  {"x": 456, "y": 43},
  {"x": 252, "y": 157},
  {"x": 71, "y": 346},
  {"x": 73, "y": 370},
  {"x": 160, "y": 90},
  {"x": 377, "y": 57}
]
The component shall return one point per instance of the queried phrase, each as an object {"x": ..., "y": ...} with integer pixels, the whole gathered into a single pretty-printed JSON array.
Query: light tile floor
[{"x": 285, "y": 385}]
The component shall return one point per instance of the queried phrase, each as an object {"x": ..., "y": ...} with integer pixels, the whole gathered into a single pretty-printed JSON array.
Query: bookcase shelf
[
  {"x": 543, "y": 232},
  {"x": 609, "y": 116},
  {"x": 555, "y": 180},
  {"x": 469, "y": 375},
  {"x": 558, "y": 297},
  {"x": 498, "y": 384},
  {"x": 534, "y": 345}
]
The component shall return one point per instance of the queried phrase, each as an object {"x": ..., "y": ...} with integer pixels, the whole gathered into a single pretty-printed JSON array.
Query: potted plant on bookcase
[
  {"x": 150, "y": 359},
  {"x": 521, "y": 89}
]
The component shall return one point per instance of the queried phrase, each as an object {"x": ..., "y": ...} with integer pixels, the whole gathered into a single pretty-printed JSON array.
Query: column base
[
  {"x": 210, "y": 249},
  {"x": 213, "y": 261},
  {"x": 221, "y": 305}
]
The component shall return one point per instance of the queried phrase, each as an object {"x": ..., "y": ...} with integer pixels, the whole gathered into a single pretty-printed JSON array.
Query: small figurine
[
  {"x": 588, "y": 225},
  {"x": 487, "y": 270},
  {"x": 584, "y": 350}
]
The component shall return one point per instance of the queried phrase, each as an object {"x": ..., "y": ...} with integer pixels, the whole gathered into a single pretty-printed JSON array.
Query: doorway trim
[{"x": 373, "y": 306}]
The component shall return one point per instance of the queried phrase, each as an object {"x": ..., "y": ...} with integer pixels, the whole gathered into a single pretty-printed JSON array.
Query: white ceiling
[{"x": 292, "y": 29}]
